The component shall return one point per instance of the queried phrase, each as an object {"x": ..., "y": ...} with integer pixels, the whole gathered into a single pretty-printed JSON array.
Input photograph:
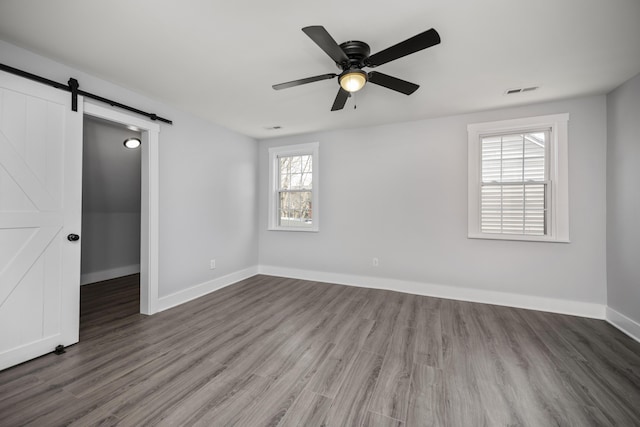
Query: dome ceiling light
[{"x": 132, "y": 143}]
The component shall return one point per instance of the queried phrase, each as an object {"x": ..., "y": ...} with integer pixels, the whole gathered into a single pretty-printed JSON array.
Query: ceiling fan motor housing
[{"x": 357, "y": 52}]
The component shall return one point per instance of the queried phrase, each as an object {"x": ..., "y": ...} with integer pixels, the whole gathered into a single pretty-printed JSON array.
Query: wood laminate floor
[{"x": 269, "y": 351}]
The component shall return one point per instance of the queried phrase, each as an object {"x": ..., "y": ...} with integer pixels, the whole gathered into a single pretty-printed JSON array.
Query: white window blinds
[{"x": 514, "y": 190}]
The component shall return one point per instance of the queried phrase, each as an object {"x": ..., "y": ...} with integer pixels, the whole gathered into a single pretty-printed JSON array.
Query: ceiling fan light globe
[{"x": 353, "y": 81}]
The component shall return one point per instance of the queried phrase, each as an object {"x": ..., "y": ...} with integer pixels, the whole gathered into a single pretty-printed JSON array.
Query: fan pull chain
[{"x": 354, "y": 101}]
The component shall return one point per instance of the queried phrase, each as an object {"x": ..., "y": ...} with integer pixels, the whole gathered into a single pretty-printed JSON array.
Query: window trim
[
  {"x": 311, "y": 148},
  {"x": 558, "y": 174}
]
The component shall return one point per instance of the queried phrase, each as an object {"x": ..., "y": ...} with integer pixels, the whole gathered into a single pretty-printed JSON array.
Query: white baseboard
[
  {"x": 112, "y": 273},
  {"x": 574, "y": 308},
  {"x": 625, "y": 324},
  {"x": 202, "y": 289}
]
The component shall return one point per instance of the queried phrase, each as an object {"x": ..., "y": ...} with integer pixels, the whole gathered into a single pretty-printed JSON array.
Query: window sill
[
  {"x": 307, "y": 230},
  {"x": 547, "y": 239}
]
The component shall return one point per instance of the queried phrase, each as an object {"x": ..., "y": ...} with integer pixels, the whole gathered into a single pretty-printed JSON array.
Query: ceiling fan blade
[
  {"x": 304, "y": 81},
  {"x": 414, "y": 44},
  {"x": 341, "y": 100},
  {"x": 392, "y": 83},
  {"x": 322, "y": 38}
]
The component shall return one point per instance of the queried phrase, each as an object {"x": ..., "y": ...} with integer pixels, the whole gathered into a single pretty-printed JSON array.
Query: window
[
  {"x": 518, "y": 175},
  {"x": 293, "y": 176}
]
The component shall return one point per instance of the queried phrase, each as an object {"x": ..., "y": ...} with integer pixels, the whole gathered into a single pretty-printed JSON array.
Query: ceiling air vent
[{"x": 520, "y": 90}]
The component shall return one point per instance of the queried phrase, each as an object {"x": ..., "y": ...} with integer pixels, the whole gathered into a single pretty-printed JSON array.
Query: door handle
[{"x": 73, "y": 237}]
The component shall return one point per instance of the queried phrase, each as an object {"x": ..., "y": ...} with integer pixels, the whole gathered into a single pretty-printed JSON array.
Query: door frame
[{"x": 149, "y": 224}]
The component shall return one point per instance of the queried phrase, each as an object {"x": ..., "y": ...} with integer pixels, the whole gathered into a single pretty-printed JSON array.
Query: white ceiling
[{"x": 218, "y": 59}]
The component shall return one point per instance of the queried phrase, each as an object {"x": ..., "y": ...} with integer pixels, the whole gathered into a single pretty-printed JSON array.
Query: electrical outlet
[
  {"x": 212, "y": 264},
  {"x": 375, "y": 262}
]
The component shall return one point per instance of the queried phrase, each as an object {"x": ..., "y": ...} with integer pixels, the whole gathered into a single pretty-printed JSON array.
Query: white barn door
[{"x": 40, "y": 205}]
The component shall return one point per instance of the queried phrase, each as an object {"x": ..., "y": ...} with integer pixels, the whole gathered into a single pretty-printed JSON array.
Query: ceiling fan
[{"x": 352, "y": 56}]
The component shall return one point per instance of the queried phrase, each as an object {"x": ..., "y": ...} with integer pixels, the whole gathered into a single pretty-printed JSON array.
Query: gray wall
[
  {"x": 623, "y": 199},
  {"x": 399, "y": 193},
  {"x": 110, "y": 245},
  {"x": 208, "y": 199}
]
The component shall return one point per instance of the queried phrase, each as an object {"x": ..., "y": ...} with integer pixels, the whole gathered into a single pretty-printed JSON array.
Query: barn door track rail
[{"x": 74, "y": 87}]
